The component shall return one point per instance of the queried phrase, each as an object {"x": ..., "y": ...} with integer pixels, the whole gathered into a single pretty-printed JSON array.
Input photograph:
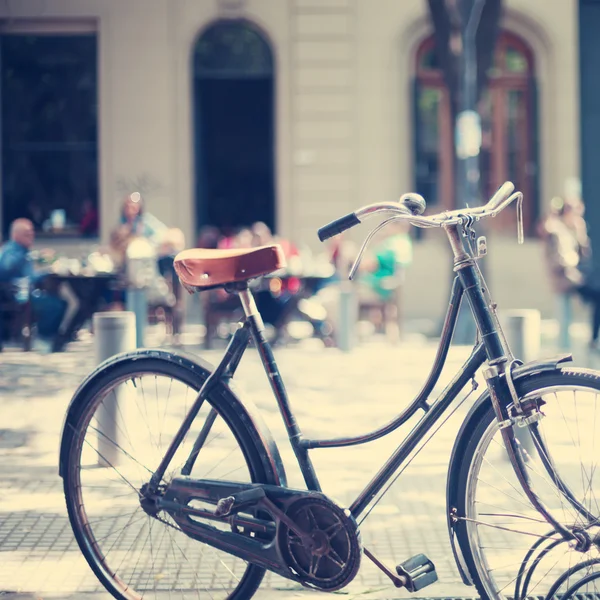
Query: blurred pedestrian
[
  {"x": 569, "y": 261},
  {"x": 136, "y": 222}
]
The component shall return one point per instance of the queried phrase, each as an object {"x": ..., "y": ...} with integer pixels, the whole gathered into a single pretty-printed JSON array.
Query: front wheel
[
  {"x": 123, "y": 421},
  {"x": 509, "y": 549}
]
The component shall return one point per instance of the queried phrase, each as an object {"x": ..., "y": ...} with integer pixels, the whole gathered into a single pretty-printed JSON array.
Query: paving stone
[{"x": 333, "y": 394}]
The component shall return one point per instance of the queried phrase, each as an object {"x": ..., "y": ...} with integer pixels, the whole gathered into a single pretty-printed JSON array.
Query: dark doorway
[{"x": 234, "y": 131}]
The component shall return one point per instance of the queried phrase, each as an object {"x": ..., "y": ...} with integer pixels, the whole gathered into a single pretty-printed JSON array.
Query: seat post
[
  {"x": 257, "y": 329},
  {"x": 250, "y": 308}
]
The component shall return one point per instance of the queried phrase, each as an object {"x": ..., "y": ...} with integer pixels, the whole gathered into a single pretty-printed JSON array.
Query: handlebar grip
[
  {"x": 502, "y": 194},
  {"x": 337, "y": 226}
]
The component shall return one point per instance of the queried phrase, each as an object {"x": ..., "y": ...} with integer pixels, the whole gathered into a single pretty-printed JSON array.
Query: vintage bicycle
[{"x": 175, "y": 488}]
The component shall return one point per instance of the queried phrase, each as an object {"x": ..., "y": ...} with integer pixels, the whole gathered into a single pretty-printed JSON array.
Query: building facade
[{"x": 343, "y": 104}]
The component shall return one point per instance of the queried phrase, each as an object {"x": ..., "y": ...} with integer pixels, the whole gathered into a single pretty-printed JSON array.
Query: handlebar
[
  {"x": 411, "y": 205},
  {"x": 337, "y": 226}
]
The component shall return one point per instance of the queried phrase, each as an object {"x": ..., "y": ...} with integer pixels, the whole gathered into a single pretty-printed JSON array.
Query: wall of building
[
  {"x": 589, "y": 13},
  {"x": 343, "y": 122}
]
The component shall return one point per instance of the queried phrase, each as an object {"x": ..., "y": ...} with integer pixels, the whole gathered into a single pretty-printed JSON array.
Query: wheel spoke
[
  {"x": 137, "y": 551},
  {"x": 498, "y": 520}
]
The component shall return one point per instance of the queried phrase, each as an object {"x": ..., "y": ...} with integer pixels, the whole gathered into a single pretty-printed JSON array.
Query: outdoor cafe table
[{"x": 90, "y": 289}]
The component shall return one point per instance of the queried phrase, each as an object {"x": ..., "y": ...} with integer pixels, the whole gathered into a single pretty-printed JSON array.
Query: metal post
[
  {"x": 522, "y": 329},
  {"x": 114, "y": 332},
  {"x": 468, "y": 140},
  {"x": 348, "y": 317},
  {"x": 137, "y": 303},
  {"x": 142, "y": 269},
  {"x": 468, "y": 122}
]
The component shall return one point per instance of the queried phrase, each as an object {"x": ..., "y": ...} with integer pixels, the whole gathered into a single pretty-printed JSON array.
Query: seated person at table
[
  {"x": 16, "y": 267},
  {"x": 272, "y": 306}
]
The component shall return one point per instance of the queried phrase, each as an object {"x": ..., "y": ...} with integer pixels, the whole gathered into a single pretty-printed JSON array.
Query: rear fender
[{"x": 202, "y": 369}]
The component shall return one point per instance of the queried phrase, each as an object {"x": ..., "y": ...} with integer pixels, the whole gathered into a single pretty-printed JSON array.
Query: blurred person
[
  {"x": 569, "y": 261},
  {"x": 563, "y": 254},
  {"x": 382, "y": 274},
  {"x": 208, "y": 237},
  {"x": 243, "y": 238},
  {"x": 589, "y": 285},
  {"x": 88, "y": 226},
  {"x": 240, "y": 239},
  {"x": 261, "y": 234},
  {"x": 53, "y": 311},
  {"x": 172, "y": 241},
  {"x": 136, "y": 221},
  {"x": 382, "y": 270},
  {"x": 273, "y": 305}
]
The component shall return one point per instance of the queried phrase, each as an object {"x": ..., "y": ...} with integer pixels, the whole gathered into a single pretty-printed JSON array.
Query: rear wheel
[
  {"x": 509, "y": 549},
  {"x": 133, "y": 554}
]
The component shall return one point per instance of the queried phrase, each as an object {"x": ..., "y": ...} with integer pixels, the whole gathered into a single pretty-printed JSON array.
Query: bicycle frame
[{"x": 490, "y": 349}]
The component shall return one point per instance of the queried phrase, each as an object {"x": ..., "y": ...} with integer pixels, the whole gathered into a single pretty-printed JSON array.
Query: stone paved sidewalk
[{"x": 352, "y": 393}]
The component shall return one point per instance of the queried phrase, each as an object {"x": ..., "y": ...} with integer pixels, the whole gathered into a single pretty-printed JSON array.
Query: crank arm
[
  {"x": 257, "y": 498},
  {"x": 381, "y": 565}
]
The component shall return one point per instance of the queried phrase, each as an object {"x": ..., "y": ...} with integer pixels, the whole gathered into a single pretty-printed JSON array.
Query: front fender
[
  {"x": 202, "y": 370},
  {"x": 481, "y": 405}
]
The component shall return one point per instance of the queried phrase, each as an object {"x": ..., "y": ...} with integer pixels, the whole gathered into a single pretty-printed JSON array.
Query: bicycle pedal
[
  {"x": 225, "y": 506},
  {"x": 418, "y": 572}
]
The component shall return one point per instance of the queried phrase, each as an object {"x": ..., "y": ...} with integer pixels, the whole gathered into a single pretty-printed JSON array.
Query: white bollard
[
  {"x": 348, "y": 317},
  {"x": 114, "y": 332},
  {"x": 137, "y": 303},
  {"x": 523, "y": 331}
]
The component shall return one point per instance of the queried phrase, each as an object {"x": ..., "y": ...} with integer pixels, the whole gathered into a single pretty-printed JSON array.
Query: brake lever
[
  {"x": 366, "y": 243},
  {"x": 520, "y": 235}
]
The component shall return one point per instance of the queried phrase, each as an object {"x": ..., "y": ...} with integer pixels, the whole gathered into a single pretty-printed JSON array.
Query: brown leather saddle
[{"x": 200, "y": 268}]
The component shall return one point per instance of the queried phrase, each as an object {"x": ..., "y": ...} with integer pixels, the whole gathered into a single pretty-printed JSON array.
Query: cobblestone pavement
[{"x": 333, "y": 394}]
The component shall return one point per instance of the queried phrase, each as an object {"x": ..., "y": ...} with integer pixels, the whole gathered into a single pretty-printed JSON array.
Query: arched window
[
  {"x": 508, "y": 110},
  {"x": 233, "y": 50},
  {"x": 234, "y": 116}
]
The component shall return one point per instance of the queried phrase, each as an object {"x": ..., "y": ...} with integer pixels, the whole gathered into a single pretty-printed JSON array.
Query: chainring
[{"x": 328, "y": 555}]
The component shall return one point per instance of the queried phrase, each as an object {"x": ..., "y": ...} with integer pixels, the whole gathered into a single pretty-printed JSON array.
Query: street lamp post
[
  {"x": 468, "y": 122},
  {"x": 468, "y": 136}
]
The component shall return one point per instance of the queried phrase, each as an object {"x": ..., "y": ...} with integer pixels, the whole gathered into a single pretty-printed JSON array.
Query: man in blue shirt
[
  {"x": 16, "y": 268},
  {"x": 14, "y": 255}
]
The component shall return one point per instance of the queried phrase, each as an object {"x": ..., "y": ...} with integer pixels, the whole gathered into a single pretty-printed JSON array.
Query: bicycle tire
[
  {"x": 569, "y": 378},
  {"x": 252, "y": 445}
]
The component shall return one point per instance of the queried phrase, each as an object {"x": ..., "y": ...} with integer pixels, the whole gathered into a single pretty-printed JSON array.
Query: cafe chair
[{"x": 16, "y": 318}]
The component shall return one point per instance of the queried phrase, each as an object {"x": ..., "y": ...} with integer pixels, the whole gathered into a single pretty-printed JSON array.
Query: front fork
[
  {"x": 498, "y": 376},
  {"x": 508, "y": 414}
]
